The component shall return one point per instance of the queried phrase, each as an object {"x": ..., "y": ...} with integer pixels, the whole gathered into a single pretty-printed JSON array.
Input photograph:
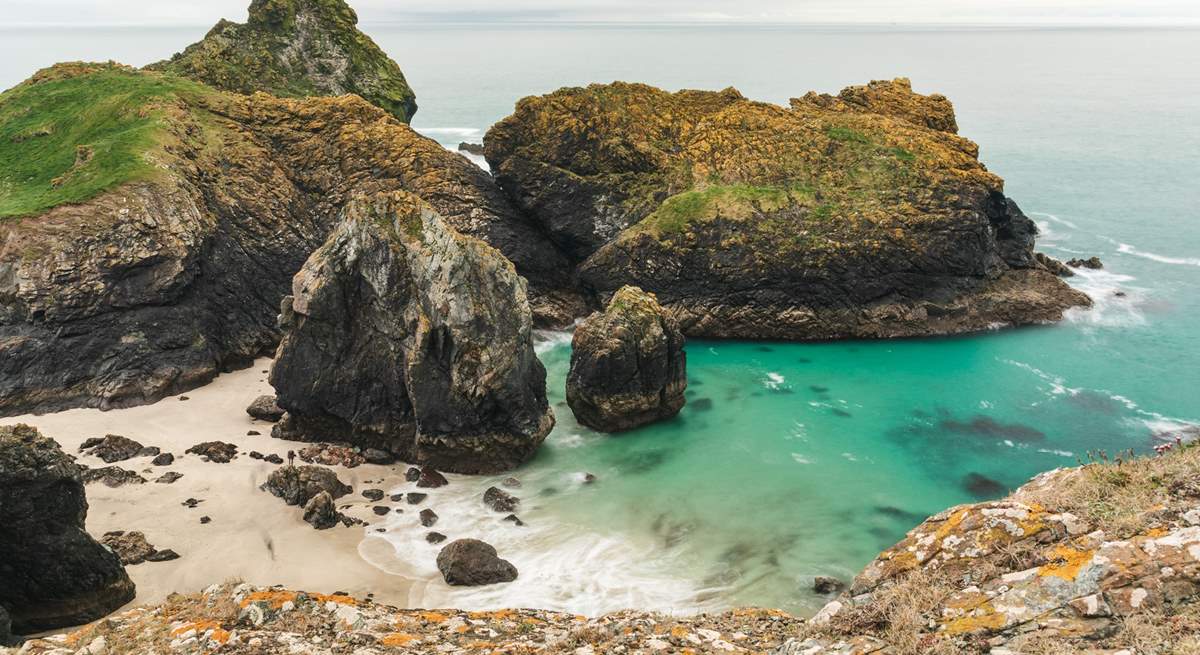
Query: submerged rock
[
  {"x": 823, "y": 584},
  {"x": 296, "y": 48},
  {"x": 1091, "y": 262},
  {"x": 297, "y": 485},
  {"x": 54, "y": 574},
  {"x": 264, "y": 408},
  {"x": 859, "y": 216},
  {"x": 628, "y": 367},
  {"x": 500, "y": 500},
  {"x": 470, "y": 562},
  {"x": 407, "y": 336}
]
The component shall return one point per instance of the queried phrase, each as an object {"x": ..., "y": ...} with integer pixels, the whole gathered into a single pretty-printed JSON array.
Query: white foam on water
[
  {"x": 1060, "y": 453},
  {"x": 1058, "y": 385},
  {"x": 546, "y": 340},
  {"x": 461, "y": 132},
  {"x": 1108, "y": 309},
  {"x": 561, "y": 566},
  {"x": 1055, "y": 219},
  {"x": 1162, "y": 259},
  {"x": 801, "y": 459},
  {"x": 773, "y": 380},
  {"x": 1165, "y": 428}
]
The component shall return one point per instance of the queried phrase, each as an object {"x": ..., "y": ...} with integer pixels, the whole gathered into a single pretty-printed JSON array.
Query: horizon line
[{"x": 1189, "y": 23}]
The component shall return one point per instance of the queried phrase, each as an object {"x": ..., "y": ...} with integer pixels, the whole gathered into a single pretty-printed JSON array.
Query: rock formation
[
  {"x": 54, "y": 574},
  {"x": 628, "y": 367},
  {"x": 160, "y": 261},
  {"x": 406, "y": 336},
  {"x": 264, "y": 409},
  {"x": 857, "y": 216},
  {"x": 472, "y": 563},
  {"x": 297, "y": 485},
  {"x": 293, "y": 49}
]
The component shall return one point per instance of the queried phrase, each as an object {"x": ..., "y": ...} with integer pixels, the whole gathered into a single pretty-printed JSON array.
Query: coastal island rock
[
  {"x": 861, "y": 216},
  {"x": 628, "y": 367},
  {"x": 293, "y": 49},
  {"x": 406, "y": 336},
  {"x": 473, "y": 563},
  {"x": 54, "y": 573},
  {"x": 120, "y": 288}
]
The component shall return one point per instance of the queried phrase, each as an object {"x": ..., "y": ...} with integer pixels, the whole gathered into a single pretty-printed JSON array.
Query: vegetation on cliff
[{"x": 294, "y": 49}]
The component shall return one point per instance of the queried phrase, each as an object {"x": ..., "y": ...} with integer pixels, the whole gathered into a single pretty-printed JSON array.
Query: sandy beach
[{"x": 252, "y": 536}]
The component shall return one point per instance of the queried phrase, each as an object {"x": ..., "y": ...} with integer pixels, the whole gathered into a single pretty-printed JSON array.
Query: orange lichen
[
  {"x": 397, "y": 639},
  {"x": 433, "y": 617},
  {"x": 985, "y": 619},
  {"x": 1065, "y": 562},
  {"x": 216, "y": 632}
]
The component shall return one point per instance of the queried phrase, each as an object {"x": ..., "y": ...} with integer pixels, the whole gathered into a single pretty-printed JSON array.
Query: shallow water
[{"x": 796, "y": 460}]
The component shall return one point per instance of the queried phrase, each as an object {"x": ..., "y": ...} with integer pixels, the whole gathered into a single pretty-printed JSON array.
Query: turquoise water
[{"x": 796, "y": 460}]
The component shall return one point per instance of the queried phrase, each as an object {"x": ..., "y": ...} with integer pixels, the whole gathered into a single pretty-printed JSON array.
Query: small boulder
[
  {"x": 500, "y": 500},
  {"x": 471, "y": 563},
  {"x": 512, "y": 518},
  {"x": 628, "y": 367},
  {"x": 164, "y": 555},
  {"x": 416, "y": 498},
  {"x": 191, "y": 503},
  {"x": 373, "y": 494},
  {"x": 320, "y": 513},
  {"x": 511, "y": 483},
  {"x": 111, "y": 476},
  {"x": 296, "y": 485},
  {"x": 217, "y": 452},
  {"x": 431, "y": 479},
  {"x": 379, "y": 457},
  {"x": 149, "y": 451},
  {"x": 163, "y": 459},
  {"x": 435, "y": 537},
  {"x": 824, "y": 584},
  {"x": 170, "y": 477},
  {"x": 381, "y": 510},
  {"x": 428, "y": 518},
  {"x": 131, "y": 547},
  {"x": 111, "y": 448},
  {"x": 264, "y": 409},
  {"x": 273, "y": 459},
  {"x": 412, "y": 474}
]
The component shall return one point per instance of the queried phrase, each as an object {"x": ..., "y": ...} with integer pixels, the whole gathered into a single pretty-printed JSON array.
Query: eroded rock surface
[
  {"x": 54, "y": 574},
  {"x": 406, "y": 336},
  {"x": 173, "y": 271},
  {"x": 296, "y": 485},
  {"x": 296, "y": 48},
  {"x": 628, "y": 367},
  {"x": 857, "y": 216}
]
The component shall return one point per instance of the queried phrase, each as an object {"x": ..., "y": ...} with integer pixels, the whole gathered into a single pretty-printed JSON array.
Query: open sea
[{"x": 789, "y": 460}]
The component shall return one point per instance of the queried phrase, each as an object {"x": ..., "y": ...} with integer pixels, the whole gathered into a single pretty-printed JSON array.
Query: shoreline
[{"x": 253, "y": 536}]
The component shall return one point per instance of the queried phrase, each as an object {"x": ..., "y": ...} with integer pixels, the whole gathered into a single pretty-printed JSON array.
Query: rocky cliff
[
  {"x": 628, "y": 367},
  {"x": 1104, "y": 558},
  {"x": 150, "y": 225},
  {"x": 862, "y": 215},
  {"x": 406, "y": 336},
  {"x": 294, "y": 49},
  {"x": 54, "y": 574}
]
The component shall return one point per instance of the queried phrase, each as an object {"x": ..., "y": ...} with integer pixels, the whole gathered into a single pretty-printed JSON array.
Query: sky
[{"x": 1047, "y": 12}]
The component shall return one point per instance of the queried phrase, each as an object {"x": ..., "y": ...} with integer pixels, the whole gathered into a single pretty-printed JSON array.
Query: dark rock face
[
  {"x": 1053, "y": 265},
  {"x": 54, "y": 573},
  {"x": 861, "y": 216},
  {"x": 5, "y": 627},
  {"x": 297, "y": 485},
  {"x": 217, "y": 452},
  {"x": 264, "y": 409},
  {"x": 427, "y": 478},
  {"x": 157, "y": 285},
  {"x": 112, "y": 448},
  {"x": 297, "y": 48},
  {"x": 824, "y": 584},
  {"x": 628, "y": 367},
  {"x": 406, "y": 336},
  {"x": 500, "y": 500},
  {"x": 470, "y": 562}
]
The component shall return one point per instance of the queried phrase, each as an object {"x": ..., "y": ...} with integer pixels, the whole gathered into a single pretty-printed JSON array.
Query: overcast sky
[{"x": 203, "y": 12}]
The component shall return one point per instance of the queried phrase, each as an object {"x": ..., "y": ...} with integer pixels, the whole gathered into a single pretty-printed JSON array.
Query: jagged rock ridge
[
  {"x": 857, "y": 216},
  {"x": 162, "y": 260},
  {"x": 54, "y": 573},
  {"x": 406, "y": 336},
  {"x": 293, "y": 49}
]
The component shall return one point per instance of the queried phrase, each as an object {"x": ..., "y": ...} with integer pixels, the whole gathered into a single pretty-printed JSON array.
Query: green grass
[
  {"x": 846, "y": 134},
  {"x": 69, "y": 138},
  {"x": 730, "y": 201}
]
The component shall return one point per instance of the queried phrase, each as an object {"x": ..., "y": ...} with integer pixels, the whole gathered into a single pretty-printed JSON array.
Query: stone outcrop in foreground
[
  {"x": 161, "y": 261},
  {"x": 406, "y": 336},
  {"x": 52, "y": 572},
  {"x": 293, "y": 49},
  {"x": 862, "y": 215},
  {"x": 628, "y": 367},
  {"x": 1103, "y": 558}
]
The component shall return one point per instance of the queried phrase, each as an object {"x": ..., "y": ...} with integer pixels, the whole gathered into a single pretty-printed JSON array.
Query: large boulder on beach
[
  {"x": 297, "y": 485},
  {"x": 264, "y": 408},
  {"x": 54, "y": 573},
  {"x": 407, "y": 336},
  {"x": 296, "y": 48},
  {"x": 628, "y": 367},
  {"x": 857, "y": 216},
  {"x": 472, "y": 563},
  {"x": 111, "y": 448},
  {"x": 150, "y": 261}
]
